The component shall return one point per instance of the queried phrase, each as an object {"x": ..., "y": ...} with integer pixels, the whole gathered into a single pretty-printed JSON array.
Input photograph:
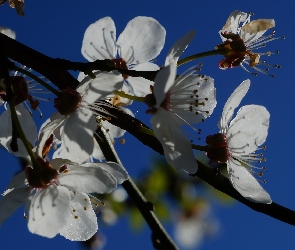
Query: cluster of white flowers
[{"x": 55, "y": 192}]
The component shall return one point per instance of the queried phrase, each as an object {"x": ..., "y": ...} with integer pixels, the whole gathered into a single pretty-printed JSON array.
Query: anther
[
  {"x": 85, "y": 208},
  {"x": 76, "y": 216}
]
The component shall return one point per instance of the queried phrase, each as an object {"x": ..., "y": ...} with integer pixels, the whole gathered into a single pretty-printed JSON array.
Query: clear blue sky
[{"x": 56, "y": 28}]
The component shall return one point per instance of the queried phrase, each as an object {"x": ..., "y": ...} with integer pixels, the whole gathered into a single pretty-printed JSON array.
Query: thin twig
[
  {"x": 160, "y": 238},
  {"x": 206, "y": 173},
  {"x": 62, "y": 79}
]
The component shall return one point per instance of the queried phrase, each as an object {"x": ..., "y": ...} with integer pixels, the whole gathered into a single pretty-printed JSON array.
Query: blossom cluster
[{"x": 57, "y": 192}]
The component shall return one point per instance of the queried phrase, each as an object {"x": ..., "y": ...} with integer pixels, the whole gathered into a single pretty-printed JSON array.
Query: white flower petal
[
  {"x": 116, "y": 170},
  {"x": 232, "y": 102},
  {"x": 17, "y": 180},
  {"x": 49, "y": 211},
  {"x": 233, "y": 22},
  {"x": 248, "y": 130},
  {"x": 77, "y": 135},
  {"x": 28, "y": 126},
  {"x": 114, "y": 131},
  {"x": 146, "y": 66},
  {"x": 57, "y": 163},
  {"x": 99, "y": 40},
  {"x": 140, "y": 86},
  {"x": 103, "y": 85},
  {"x": 246, "y": 184},
  {"x": 88, "y": 178},
  {"x": 12, "y": 201},
  {"x": 142, "y": 40},
  {"x": 85, "y": 80},
  {"x": 184, "y": 103},
  {"x": 8, "y": 32},
  {"x": 49, "y": 129},
  {"x": 81, "y": 77},
  {"x": 82, "y": 225},
  {"x": 255, "y": 29},
  {"x": 181, "y": 44},
  {"x": 163, "y": 82},
  {"x": 177, "y": 147}
]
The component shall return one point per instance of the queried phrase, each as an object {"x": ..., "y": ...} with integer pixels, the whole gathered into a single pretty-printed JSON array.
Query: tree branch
[
  {"x": 208, "y": 174},
  {"x": 62, "y": 79},
  {"x": 160, "y": 238},
  {"x": 41, "y": 63}
]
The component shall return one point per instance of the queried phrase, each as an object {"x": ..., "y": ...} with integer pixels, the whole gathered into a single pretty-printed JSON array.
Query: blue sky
[{"x": 56, "y": 29}]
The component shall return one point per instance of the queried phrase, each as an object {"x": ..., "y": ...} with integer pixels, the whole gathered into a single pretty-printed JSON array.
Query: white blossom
[
  {"x": 141, "y": 41},
  {"x": 241, "y": 37},
  {"x": 238, "y": 139},
  {"x": 62, "y": 206},
  {"x": 75, "y": 130}
]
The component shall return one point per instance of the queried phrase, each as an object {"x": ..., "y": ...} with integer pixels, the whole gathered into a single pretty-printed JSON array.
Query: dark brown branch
[
  {"x": 206, "y": 173},
  {"x": 56, "y": 70},
  {"x": 160, "y": 238},
  {"x": 61, "y": 78},
  {"x": 41, "y": 63},
  {"x": 103, "y": 65}
]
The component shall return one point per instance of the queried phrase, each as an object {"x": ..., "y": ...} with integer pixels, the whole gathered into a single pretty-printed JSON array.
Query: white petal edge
[
  {"x": 88, "y": 178},
  {"x": 232, "y": 103},
  {"x": 163, "y": 82},
  {"x": 179, "y": 47},
  {"x": 49, "y": 211},
  {"x": 103, "y": 85},
  {"x": 243, "y": 181},
  {"x": 77, "y": 135},
  {"x": 12, "y": 201},
  {"x": 248, "y": 130},
  {"x": 142, "y": 40},
  {"x": 99, "y": 40},
  {"x": 177, "y": 147},
  {"x": 82, "y": 225}
]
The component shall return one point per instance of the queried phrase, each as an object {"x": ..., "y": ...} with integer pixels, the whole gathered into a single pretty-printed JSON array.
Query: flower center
[
  {"x": 121, "y": 64},
  {"x": 68, "y": 101},
  {"x": 41, "y": 176},
  {"x": 218, "y": 151},
  {"x": 20, "y": 92},
  {"x": 234, "y": 49}
]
